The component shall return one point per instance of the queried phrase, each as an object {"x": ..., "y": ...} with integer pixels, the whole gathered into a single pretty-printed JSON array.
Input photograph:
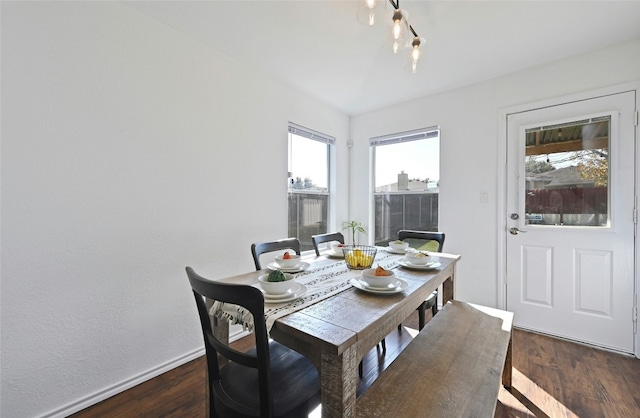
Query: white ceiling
[{"x": 320, "y": 48}]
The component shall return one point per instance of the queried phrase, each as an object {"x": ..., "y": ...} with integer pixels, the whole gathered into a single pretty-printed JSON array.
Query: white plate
[
  {"x": 301, "y": 266},
  {"x": 293, "y": 293},
  {"x": 402, "y": 285},
  {"x": 394, "y": 251},
  {"x": 391, "y": 286},
  {"x": 432, "y": 265},
  {"x": 335, "y": 254}
]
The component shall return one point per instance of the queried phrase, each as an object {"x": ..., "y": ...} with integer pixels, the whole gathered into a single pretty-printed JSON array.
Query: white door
[{"x": 570, "y": 226}]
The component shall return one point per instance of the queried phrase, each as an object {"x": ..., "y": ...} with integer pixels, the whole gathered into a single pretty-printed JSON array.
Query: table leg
[
  {"x": 449, "y": 287},
  {"x": 338, "y": 379},
  {"x": 220, "y": 329},
  {"x": 447, "y": 291}
]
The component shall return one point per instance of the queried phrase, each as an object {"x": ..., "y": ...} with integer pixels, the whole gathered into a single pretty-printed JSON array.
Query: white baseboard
[
  {"x": 235, "y": 332},
  {"x": 101, "y": 395}
]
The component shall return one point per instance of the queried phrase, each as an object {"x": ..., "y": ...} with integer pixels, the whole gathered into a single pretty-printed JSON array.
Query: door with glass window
[{"x": 570, "y": 220}]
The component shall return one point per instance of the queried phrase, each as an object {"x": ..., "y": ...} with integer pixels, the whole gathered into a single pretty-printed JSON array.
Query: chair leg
[
  {"x": 421, "y": 317},
  {"x": 383, "y": 343}
]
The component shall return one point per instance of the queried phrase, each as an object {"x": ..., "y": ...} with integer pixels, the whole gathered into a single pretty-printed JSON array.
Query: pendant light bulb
[
  {"x": 371, "y": 4},
  {"x": 397, "y": 30},
  {"x": 415, "y": 53},
  {"x": 397, "y": 20}
]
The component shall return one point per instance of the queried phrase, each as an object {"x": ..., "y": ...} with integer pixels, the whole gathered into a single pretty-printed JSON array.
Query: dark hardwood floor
[{"x": 551, "y": 378}]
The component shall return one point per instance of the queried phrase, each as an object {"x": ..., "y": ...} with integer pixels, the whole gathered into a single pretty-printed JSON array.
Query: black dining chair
[
  {"x": 259, "y": 248},
  {"x": 321, "y": 238},
  {"x": 424, "y": 241},
  {"x": 270, "y": 380}
]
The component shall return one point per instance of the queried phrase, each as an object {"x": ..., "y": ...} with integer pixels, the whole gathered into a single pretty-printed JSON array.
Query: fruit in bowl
[
  {"x": 398, "y": 245},
  {"x": 418, "y": 258},
  {"x": 378, "y": 277},
  {"x": 276, "y": 282},
  {"x": 359, "y": 258},
  {"x": 287, "y": 260}
]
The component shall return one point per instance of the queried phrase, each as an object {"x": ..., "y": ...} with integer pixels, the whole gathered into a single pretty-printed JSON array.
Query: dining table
[{"x": 335, "y": 321}]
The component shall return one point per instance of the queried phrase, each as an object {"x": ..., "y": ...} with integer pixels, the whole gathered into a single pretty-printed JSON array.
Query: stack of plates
[
  {"x": 394, "y": 251},
  {"x": 296, "y": 291},
  {"x": 301, "y": 266},
  {"x": 334, "y": 253},
  {"x": 396, "y": 286},
  {"x": 432, "y": 265}
]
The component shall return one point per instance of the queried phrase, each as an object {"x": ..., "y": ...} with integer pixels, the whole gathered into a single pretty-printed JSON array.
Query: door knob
[{"x": 515, "y": 231}]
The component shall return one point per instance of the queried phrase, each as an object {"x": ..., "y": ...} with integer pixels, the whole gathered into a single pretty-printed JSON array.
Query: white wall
[
  {"x": 128, "y": 152},
  {"x": 468, "y": 118}
]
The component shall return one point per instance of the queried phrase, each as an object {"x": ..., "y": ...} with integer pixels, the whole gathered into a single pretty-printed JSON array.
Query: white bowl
[
  {"x": 417, "y": 258},
  {"x": 369, "y": 277},
  {"x": 287, "y": 263},
  {"x": 398, "y": 245},
  {"x": 336, "y": 247},
  {"x": 276, "y": 288}
]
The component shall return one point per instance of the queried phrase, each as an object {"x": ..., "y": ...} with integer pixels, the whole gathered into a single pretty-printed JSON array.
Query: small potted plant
[{"x": 354, "y": 226}]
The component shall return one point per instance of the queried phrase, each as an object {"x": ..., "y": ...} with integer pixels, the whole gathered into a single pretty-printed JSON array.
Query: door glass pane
[{"x": 567, "y": 174}]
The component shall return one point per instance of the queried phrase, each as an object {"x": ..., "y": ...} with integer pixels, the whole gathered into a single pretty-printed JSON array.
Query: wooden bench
[{"x": 452, "y": 368}]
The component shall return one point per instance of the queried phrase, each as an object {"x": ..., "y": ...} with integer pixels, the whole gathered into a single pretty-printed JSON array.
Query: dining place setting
[
  {"x": 414, "y": 259},
  {"x": 379, "y": 281},
  {"x": 288, "y": 263},
  {"x": 335, "y": 250}
]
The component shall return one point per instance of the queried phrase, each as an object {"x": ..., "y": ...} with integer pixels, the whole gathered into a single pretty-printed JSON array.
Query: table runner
[{"x": 321, "y": 282}]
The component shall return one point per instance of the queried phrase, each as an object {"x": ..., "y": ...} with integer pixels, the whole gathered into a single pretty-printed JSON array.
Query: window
[
  {"x": 309, "y": 158},
  {"x": 406, "y": 176}
]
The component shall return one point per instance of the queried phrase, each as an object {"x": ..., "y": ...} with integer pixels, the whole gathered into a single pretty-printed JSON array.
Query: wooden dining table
[{"x": 335, "y": 333}]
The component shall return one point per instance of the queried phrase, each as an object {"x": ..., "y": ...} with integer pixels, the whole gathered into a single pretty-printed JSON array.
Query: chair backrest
[
  {"x": 423, "y": 240},
  {"x": 320, "y": 238},
  {"x": 260, "y": 248},
  {"x": 252, "y": 300}
]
